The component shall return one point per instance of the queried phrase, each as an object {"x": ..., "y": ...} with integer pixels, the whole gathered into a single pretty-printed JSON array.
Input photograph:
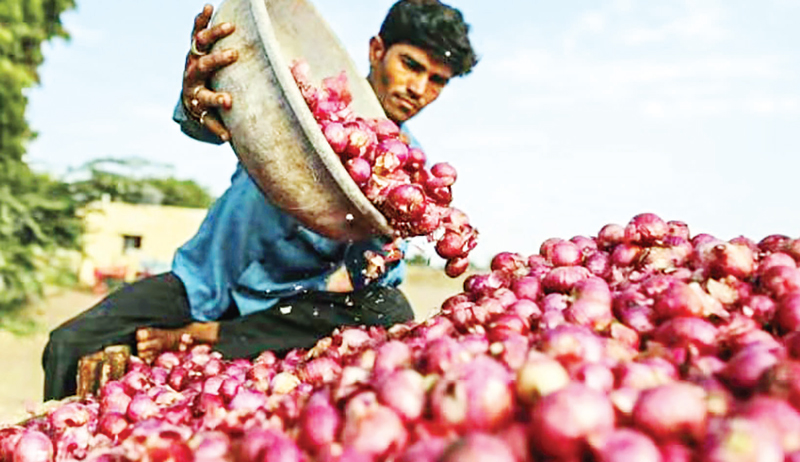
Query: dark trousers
[{"x": 160, "y": 301}]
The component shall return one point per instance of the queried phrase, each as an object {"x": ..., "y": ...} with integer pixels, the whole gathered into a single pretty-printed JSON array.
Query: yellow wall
[{"x": 162, "y": 230}]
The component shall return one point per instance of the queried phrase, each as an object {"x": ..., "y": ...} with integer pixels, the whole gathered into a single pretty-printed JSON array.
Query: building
[{"x": 126, "y": 241}]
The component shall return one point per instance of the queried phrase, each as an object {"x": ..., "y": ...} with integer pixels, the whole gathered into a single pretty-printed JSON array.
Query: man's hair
[{"x": 433, "y": 26}]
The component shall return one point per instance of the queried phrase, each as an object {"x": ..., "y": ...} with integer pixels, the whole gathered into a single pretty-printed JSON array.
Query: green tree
[
  {"x": 37, "y": 214},
  {"x": 136, "y": 181}
]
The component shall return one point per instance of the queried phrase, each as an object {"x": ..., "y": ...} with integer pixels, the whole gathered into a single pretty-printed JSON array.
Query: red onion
[
  {"x": 450, "y": 245},
  {"x": 33, "y": 446},
  {"x": 678, "y": 229},
  {"x": 741, "y": 439},
  {"x": 525, "y": 309},
  {"x": 563, "y": 279},
  {"x": 457, "y": 266},
  {"x": 416, "y": 159},
  {"x": 745, "y": 368},
  {"x": 475, "y": 396},
  {"x": 688, "y": 331},
  {"x": 555, "y": 302},
  {"x": 774, "y": 243},
  {"x": 565, "y": 253},
  {"x": 403, "y": 391},
  {"x": 572, "y": 344},
  {"x": 776, "y": 415},
  {"x": 598, "y": 263},
  {"x": 678, "y": 300},
  {"x": 610, "y": 235},
  {"x": 319, "y": 422},
  {"x": 787, "y": 314},
  {"x": 9, "y": 436},
  {"x": 625, "y": 254},
  {"x": 477, "y": 447},
  {"x": 645, "y": 228},
  {"x": 371, "y": 428},
  {"x": 778, "y": 281},
  {"x": 625, "y": 445},
  {"x": 424, "y": 450},
  {"x": 776, "y": 259},
  {"x": 562, "y": 421},
  {"x": 359, "y": 170},
  {"x": 510, "y": 263},
  {"x": 112, "y": 424},
  {"x": 672, "y": 411}
]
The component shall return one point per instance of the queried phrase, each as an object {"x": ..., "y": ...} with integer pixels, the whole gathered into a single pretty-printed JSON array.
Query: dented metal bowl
[{"x": 273, "y": 132}]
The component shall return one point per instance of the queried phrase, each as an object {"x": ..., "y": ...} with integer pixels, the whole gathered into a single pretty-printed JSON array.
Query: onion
[
  {"x": 741, "y": 439},
  {"x": 625, "y": 445},
  {"x": 645, "y": 228},
  {"x": 112, "y": 424},
  {"x": 424, "y": 450},
  {"x": 672, "y": 411},
  {"x": 319, "y": 422},
  {"x": 625, "y": 254},
  {"x": 9, "y": 436},
  {"x": 403, "y": 391},
  {"x": 33, "y": 446},
  {"x": 788, "y": 312},
  {"x": 572, "y": 344},
  {"x": 478, "y": 447},
  {"x": 774, "y": 243},
  {"x": 475, "y": 396},
  {"x": 678, "y": 300},
  {"x": 610, "y": 235},
  {"x": 778, "y": 281},
  {"x": 510, "y": 263},
  {"x": 565, "y": 253},
  {"x": 688, "y": 331},
  {"x": 563, "y": 279},
  {"x": 598, "y": 263},
  {"x": 745, "y": 369},
  {"x": 359, "y": 170},
  {"x": 371, "y": 428},
  {"x": 416, "y": 159},
  {"x": 776, "y": 415},
  {"x": 562, "y": 421},
  {"x": 776, "y": 259}
]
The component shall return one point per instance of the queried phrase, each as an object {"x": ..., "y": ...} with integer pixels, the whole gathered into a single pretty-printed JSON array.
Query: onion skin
[
  {"x": 625, "y": 445},
  {"x": 33, "y": 446},
  {"x": 562, "y": 421},
  {"x": 672, "y": 411},
  {"x": 739, "y": 439},
  {"x": 478, "y": 447}
]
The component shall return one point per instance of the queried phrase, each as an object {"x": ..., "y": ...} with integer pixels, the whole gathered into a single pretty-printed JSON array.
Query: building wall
[{"x": 134, "y": 239}]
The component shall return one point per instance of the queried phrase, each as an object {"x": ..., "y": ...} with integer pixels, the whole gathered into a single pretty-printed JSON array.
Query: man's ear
[{"x": 377, "y": 50}]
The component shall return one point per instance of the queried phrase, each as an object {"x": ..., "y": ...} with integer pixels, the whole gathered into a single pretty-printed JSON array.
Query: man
[{"x": 252, "y": 278}]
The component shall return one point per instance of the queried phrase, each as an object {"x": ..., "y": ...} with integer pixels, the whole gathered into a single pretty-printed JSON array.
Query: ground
[{"x": 20, "y": 361}]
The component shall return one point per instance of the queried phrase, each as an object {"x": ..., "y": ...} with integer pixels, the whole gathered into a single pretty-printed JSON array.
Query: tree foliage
[
  {"x": 136, "y": 181},
  {"x": 37, "y": 214}
]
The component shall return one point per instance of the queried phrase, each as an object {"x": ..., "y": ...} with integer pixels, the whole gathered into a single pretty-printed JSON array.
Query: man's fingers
[
  {"x": 211, "y": 63},
  {"x": 201, "y": 20},
  {"x": 216, "y": 127},
  {"x": 206, "y": 38},
  {"x": 210, "y": 99}
]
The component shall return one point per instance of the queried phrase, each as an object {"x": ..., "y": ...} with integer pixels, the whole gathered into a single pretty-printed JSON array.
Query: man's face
[{"x": 405, "y": 78}]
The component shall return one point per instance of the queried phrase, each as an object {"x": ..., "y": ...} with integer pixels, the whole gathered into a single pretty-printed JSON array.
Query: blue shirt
[{"x": 250, "y": 252}]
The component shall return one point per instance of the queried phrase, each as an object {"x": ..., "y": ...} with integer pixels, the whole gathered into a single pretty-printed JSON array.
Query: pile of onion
[
  {"x": 642, "y": 343},
  {"x": 414, "y": 197}
]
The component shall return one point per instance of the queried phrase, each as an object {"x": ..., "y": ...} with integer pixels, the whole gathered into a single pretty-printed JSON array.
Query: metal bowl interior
[{"x": 274, "y": 134}]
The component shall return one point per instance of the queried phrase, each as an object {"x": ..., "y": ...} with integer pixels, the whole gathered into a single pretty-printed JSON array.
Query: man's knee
[{"x": 390, "y": 304}]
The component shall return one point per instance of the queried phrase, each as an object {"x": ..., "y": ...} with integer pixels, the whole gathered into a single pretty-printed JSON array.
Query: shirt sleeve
[
  {"x": 356, "y": 265},
  {"x": 192, "y": 127}
]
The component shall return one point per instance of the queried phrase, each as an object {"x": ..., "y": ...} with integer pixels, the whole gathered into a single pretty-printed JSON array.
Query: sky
[{"x": 579, "y": 114}]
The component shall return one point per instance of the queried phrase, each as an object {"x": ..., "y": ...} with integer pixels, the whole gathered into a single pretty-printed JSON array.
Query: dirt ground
[{"x": 20, "y": 356}]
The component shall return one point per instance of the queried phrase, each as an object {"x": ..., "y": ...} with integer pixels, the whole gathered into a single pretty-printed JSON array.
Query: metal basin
[{"x": 272, "y": 130}]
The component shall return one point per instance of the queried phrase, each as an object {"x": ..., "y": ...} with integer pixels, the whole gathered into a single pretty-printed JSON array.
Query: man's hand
[{"x": 201, "y": 102}]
